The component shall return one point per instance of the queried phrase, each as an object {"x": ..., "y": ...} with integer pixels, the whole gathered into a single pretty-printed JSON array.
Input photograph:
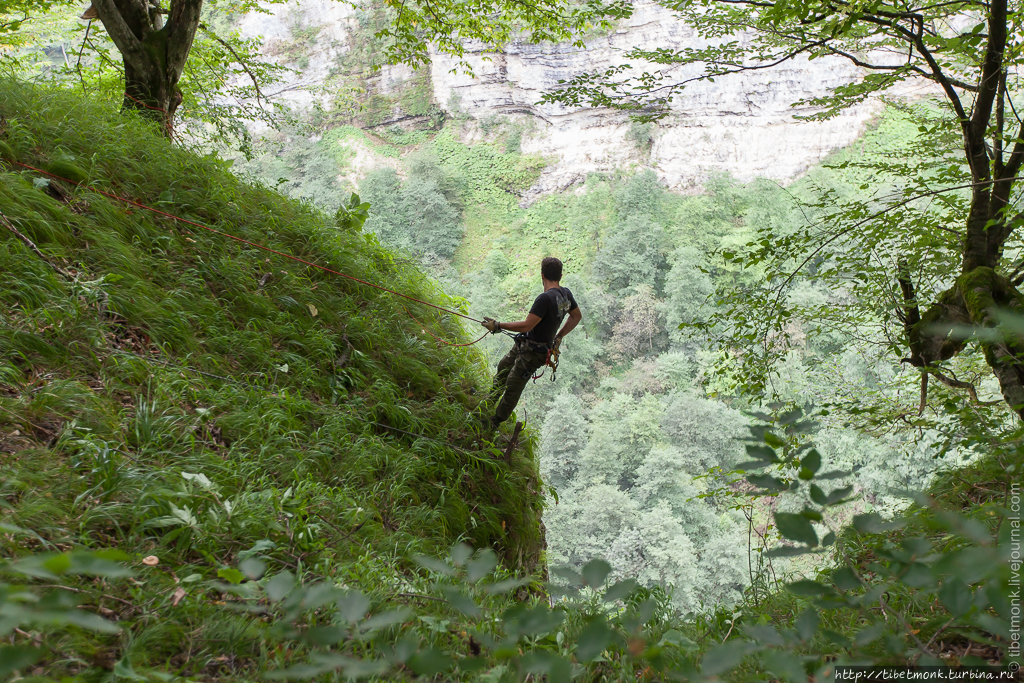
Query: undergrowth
[{"x": 170, "y": 393}]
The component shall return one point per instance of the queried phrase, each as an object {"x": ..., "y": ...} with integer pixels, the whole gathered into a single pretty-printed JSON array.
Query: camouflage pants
[{"x": 514, "y": 371}]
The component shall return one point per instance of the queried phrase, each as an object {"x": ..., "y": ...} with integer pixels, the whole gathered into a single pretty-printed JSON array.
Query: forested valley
[{"x": 765, "y": 452}]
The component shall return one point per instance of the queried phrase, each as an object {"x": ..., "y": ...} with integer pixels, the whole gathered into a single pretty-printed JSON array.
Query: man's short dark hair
[{"x": 551, "y": 269}]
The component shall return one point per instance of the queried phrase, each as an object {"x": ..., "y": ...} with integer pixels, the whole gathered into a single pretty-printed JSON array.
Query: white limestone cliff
[{"x": 742, "y": 124}]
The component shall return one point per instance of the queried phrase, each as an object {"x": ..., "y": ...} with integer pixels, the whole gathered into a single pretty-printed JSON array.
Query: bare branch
[
  {"x": 241, "y": 62},
  {"x": 960, "y": 384}
]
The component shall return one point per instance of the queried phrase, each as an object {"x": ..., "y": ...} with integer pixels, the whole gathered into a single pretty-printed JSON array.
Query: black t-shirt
[{"x": 550, "y": 307}]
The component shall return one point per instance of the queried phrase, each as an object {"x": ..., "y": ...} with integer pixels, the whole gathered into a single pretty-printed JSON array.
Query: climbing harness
[
  {"x": 551, "y": 361},
  {"x": 551, "y": 353},
  {"x": 140, "y": 205}
]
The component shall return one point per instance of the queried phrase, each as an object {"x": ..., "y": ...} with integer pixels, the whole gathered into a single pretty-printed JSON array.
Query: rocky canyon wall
[{"x": 742, "y": 124}]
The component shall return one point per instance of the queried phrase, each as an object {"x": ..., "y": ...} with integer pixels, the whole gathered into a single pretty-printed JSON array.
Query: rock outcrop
[{"x": 742, "y": 124}]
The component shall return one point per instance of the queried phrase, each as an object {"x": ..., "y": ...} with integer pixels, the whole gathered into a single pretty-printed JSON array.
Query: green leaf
[
  {"x": 971, "y": 529},
  {"x": 785, "y": 665},
  {"x": 57, "y": 564},
  {"x": 837, "y": 639},
  {"x": 595, "y": 572},
  {"x": 482, "y": 565},
  {"x": 385, "y": 619},
  {"x": 324, "y": 636},
  {"x": 674, "y": 637},
  {"x": 429, "y": 662},
  {"x": 789, "y": 551},
  {"x": 767, "y": 482},
  {"x": 763, "y": 453},
  {"x": 99, "y": 563},
  {"x": 808, "y": 588},
  {"x": 872, "y": 523},
  {"x": 505, "y": 586},
  {"x": 573, "y": 577},
  {"x": 796, "y": 528},
  {"x": 17, "y": 657},
  {"x": 620, "y": 590},
  {"x": 460, "y": 554},
  {"x": 279, "y": 586},
  {"x": 123, "y": 669},
  {"x": 807, "y": 623},
  {"x": 320, "y": 663},
  {"x": 994, "y": 625},
  {"x": 532, "y": 621},
  {"x": 812, "y": 515},
  {"x": 766, "y": 635},
  {"x": 86, "y": 620},
  {"x": 834, "y": 474},
  {"x": 722, "y": 658},
  {"x": 839, "y": 495},
  {"x": 869, "y": 634},
  {"x": 845, "y": 579},
  {"x": 460, "y": 601},
  {"x": 253, "y": 568},
  {"x": 593, "y": 640},
  {"x": 434, "y": 565},
  {"x": 547, "y": 664},
  {"x": 231, "y": 575},
  {"x": 956, "y": 597},
  {"x": 353, "y": 606},
  {"x": 917, "y": 575},
  {"x": 811, "y": 462},
  {"x": 817, "y": 495}
]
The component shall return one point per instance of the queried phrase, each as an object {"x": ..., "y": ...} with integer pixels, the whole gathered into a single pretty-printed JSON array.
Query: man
[{"x": 537, "y": 336}]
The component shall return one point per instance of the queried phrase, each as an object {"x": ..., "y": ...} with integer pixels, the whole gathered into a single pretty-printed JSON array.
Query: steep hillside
[{"x": 172, "y": 393}]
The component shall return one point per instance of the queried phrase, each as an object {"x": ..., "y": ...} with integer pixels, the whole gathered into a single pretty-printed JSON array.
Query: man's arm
[
  {"x": 574, "y": 319},
  {"x": 523, "y": 325}
]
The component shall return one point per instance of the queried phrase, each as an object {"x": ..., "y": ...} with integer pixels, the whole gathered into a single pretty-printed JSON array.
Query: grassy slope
[{"x": 104, "y": 417}]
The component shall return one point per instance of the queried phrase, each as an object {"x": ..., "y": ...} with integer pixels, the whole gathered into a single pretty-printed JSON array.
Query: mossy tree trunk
[
  {"x": 153, "y": 50},
  {"x": 975, "y": 300},
  {"x": 980, "y": 292}
]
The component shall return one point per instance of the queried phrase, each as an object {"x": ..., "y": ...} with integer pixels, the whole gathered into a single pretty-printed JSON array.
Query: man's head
[{"x": 551, "y": 269}]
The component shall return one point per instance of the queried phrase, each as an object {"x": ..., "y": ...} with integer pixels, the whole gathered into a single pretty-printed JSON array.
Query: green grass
[{"x": 110, "y": 436}]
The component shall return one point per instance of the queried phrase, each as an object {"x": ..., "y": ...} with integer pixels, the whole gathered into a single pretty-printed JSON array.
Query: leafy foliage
[{"x": 413, "y": 216}]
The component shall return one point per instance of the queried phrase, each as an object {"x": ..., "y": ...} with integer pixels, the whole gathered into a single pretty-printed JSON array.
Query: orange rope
[
  {"x": 147, "y": 106},
  {"x": 167, "y": 123},
  {"x": 267, "y": 249},
  {"x": 424, "y": 328}
]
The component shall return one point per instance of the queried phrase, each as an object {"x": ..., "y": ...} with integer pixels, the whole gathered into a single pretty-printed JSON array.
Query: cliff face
[{"x": 742, "y": 124}]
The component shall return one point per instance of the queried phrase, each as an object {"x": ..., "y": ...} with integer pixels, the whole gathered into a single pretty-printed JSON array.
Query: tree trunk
[
  {"x": 975, "y": 300},
  {"x": 156, "y": 98},
  {"x": 153, "y": 53}
]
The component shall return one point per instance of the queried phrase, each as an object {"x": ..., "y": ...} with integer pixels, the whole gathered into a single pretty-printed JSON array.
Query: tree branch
[
  {"x": 125, "y": 40},
  {"x": 991, "y": 72},
  {"x": 960, "y": 384},
  {"x": 182, "y": 22},
  {"x": 238, "y": 59}
]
